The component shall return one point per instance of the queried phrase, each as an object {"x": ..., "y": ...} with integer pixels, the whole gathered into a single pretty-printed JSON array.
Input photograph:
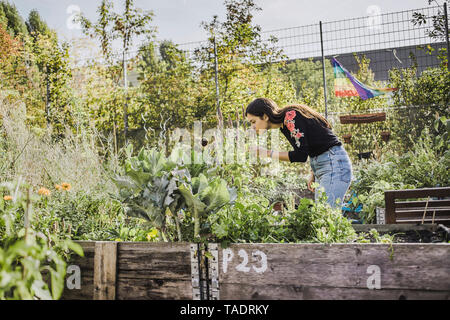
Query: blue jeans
[{"x": 332, "y": 171}]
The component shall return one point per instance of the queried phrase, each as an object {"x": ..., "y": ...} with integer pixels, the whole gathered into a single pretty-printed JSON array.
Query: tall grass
[{"x": 34, "y": 156}]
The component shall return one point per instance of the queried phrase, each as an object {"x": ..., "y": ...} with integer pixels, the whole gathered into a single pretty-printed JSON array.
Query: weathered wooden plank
[
  {"x": 418, "y": 212},
  {"x": 232, "y": 291},
  {"x": 86, "y": 291},
  {"x": 444, "y": 220},
  {"x": 347, "y": 275},
  {"x": 153, "y": 289},
  {"x": 419, "y": 193},
  {"x": 389, "y": 204},
  {"x": 292, "y": 271},
  {"x": 154, "y": 246},
  {"x": 363, "y": 118},
  {"x": 79, "y": 282},
  {"x": 155, "y": 260},
  {"x": 421, "y": 267},
  {"x": 154, "y": 271},
  {"x": 403, "y": 253},
  {"x": 393, "y": 213},
  {"x": 394, "y": 227},
  {"x": 155, "y": 263},
  {"x": 105, "y": 261},
  {"x": 422, "y": 204}
]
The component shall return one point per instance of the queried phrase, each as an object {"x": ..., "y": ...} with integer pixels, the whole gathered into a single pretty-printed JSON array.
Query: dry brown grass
[{"x": 33, "y": 156}]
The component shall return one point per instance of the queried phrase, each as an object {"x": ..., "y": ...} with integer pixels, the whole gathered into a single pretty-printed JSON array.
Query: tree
[
  {"x": 307, "y": 79},
  {"x": 9, "y": 50},
  {"x": 35, "y": 67},
  {"x": 131, "y": 23},
  {"x": 245, "y": 61},
  {"x": 3, "y": 19},
  {"x": 35, "y": 25},
  {"x": 426, "y": 95},
  {"x": 169, "y": 86},
  {"x": 102, "y": 29},
  {"x": 170, "y": 54},
  {"x": 14, "y": 22},
  {"x": 125, "y": 27},
  {"x": 437, "y": 31},
  {"x": 53, "y": 76}
]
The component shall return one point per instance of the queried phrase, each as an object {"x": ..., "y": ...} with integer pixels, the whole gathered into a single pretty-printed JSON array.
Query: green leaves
[
  {"x": 29, "y": 259},
  {"x": 148, "y": 188},
  {"x": 192, "y": 199},
  {"x": 213, "y": 194},
  {"x": 204, "y": 197},
  {"x": 425, "y": 165},
  {"x": 22, "y": 268},
  {"x": 155, "y": 183},
  {"x": 256, "y": 222},
  {"x": 111, "y": 25}
]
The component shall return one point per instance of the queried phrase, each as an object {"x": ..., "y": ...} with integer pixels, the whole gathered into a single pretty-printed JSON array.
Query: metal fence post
[
  {"x": 446, "y": 35},
  {"x": 323, "y": 71},
  {"x": 47, "y": 97},
  {"x": 216, "y": 76},
  {"x": 125, "y": 106}
]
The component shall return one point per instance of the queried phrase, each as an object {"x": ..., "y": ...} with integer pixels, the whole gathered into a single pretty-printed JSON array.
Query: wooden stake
[
  {"x": 425, "y": 211},
  {"x": 105, "y": 262}
]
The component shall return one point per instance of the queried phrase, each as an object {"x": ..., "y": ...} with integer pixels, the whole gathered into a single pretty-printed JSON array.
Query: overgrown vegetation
[{"x": 101, "y": 163}]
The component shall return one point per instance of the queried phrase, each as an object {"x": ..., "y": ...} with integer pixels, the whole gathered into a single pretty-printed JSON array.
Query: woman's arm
[{"x": 280, "y": 155}]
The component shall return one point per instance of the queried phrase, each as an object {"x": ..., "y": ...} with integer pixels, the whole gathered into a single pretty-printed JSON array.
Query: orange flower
[
  {"x": 6, "y": 198},
  {"x": 44, "y": 192},
  {"x": 58, "y": 187},
  {"x": 66, "y": 186}
]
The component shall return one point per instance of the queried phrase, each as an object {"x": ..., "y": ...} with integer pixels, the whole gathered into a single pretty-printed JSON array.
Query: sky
[{"x": 179, "y": 20}]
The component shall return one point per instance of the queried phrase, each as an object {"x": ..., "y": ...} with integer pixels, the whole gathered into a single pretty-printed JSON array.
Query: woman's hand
[{"x": 310, "y": 182}]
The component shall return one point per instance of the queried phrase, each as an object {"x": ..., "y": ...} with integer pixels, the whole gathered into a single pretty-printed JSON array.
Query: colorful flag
[{"x": 345, "y": 85}]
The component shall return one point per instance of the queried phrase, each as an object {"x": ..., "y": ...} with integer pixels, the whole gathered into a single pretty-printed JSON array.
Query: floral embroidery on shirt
[{"x": 290, "y": 124}]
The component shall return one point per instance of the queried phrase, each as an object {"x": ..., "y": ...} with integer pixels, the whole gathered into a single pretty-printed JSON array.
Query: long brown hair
[{"x": 261, "y": 106}]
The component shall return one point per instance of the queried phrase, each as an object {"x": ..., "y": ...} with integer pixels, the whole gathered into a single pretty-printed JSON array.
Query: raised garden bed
[
  {"x": 409, "y": 233},
  {"x": 435, "y": 209},
  {"x": 138, "y": 270},
  {"x": 335, "y": 271}
]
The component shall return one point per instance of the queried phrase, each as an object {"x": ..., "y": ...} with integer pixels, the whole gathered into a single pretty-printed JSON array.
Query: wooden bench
[{"x": 430, "y": 210}]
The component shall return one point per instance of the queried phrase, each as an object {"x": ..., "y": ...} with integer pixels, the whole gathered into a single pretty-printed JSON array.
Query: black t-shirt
[{"x": 309, "y": 137}]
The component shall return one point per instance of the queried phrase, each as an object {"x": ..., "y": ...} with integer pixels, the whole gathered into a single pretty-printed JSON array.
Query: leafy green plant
[
  {"x": 25, "y": 263},
  {"x": 258, "y": 222},
  {"x": 442, "y": 139},
  {"x": 423, "y": 94},
  {"x": 424, "y": 166},
  {"x": 124, "y": 233},
  {"x": 147, "y": 189},
  {"x": 254, "y": 221},
  {"x": 32, "y": 264},
  {"x": 318, "y": 222},
  {"x": 204, "y": 197},
  {"x": 156, "y": 186}
]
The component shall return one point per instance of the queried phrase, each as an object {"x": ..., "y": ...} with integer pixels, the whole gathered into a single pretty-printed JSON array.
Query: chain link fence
[
  {"x": 386, "y": 39},
  {"x": 389, "y": 40}
]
